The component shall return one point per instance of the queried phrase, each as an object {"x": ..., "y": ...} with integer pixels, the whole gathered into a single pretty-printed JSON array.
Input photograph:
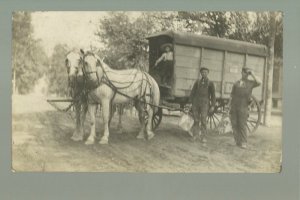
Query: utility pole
[{"x": 268, "y": 103}]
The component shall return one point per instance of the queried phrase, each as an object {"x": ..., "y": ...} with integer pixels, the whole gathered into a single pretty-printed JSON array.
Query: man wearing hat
[
  {"x": 203, "y": 101},
  {"x": 167, "y": 66},
  {"x": 240, "y": 96}
]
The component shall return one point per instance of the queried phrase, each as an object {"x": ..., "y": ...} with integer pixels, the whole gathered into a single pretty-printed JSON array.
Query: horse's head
[
  {"x": 73, "y": 64},
  {"x": 92, "y": 65}
]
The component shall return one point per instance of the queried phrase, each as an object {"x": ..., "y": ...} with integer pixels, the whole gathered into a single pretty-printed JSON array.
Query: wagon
[{"x": 223, "y": 57}]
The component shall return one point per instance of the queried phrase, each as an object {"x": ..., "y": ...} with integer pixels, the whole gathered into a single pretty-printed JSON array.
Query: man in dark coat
[
  {"x": 240, "y": 96},
  {"x": 203, "y": 101}
]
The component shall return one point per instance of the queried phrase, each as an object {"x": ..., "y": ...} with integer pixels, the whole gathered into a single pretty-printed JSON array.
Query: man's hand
[{"x": 187, "y": 108}]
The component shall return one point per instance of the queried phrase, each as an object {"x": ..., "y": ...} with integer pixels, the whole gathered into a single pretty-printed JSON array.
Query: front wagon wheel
[{"x": 156, "y": 119}]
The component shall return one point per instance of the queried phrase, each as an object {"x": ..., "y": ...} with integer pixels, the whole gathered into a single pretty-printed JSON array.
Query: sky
[{"x": 76, "y": 29}]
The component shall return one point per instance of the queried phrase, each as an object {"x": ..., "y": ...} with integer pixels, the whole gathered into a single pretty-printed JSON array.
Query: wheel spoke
[
  {"x": 217, "y": 119},
  {"x": 252, "y": 124},
  {"x": 252, "y": 121}
]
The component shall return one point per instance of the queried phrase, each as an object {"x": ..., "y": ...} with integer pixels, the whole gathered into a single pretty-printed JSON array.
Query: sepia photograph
[{"x": 147, "y": 91}]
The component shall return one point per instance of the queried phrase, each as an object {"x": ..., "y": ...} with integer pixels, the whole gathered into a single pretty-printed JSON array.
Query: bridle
[{"x": 73, "y": 86}]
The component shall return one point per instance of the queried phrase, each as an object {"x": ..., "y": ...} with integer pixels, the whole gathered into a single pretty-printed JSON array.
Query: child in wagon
[{"x": 166, "y": 68}]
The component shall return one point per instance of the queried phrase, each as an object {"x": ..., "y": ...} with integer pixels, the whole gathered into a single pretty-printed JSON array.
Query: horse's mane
[{"x": 105, "y": 66}]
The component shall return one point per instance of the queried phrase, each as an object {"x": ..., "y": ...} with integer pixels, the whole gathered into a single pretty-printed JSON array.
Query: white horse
[
  {"x": 78, "y": 93},
  {"x": 73, "y": 64},
  {"x": 119, "y": 86}
]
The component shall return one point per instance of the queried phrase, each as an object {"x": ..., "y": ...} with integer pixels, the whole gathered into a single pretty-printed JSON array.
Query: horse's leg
[
  {"x": 120, "y": 112},
  {"x": 77, "y": 135},
  {"x": 92, "y": 112},
  {"x": 141, "y": 113},
  {"x": 150, "y": 133},
  {"x": 106, "y": 116},
  {"x": 112, "y": 111},
  {"x": 83, "y": 117}
]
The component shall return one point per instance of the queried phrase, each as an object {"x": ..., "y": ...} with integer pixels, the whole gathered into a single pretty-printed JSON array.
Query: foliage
[
  {"x": 124, "y": 40},
  {"x": 29, "y": 59},
  {"x": 262, "y": 31},
  {"x": 57, "y": 73},
  {"x": 124, "y": 37}
]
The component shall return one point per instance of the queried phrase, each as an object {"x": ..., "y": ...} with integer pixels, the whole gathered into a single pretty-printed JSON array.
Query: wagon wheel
[
  {"x": 214, "y": 118},
  {"x": 254, "y": 117},
  {"x": 156, "y": 119}
]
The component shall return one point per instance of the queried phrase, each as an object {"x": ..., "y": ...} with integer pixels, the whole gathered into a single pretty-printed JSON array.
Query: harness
[{"x": 105, "y": 80}]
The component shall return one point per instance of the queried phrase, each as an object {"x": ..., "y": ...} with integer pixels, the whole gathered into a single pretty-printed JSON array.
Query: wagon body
[{"x": 224, "y": 58}]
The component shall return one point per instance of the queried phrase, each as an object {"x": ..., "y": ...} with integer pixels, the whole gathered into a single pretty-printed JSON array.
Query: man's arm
[
  {"x": 160, "y": 59},
  {"x": 257, "y": 81},
  {"x": 193, "y": 91}
]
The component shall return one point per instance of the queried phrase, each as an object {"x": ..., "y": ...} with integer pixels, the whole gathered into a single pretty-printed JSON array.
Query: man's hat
[
  {"x": 246, "y": 69},
  {"x": 164, "y": 46},
  {"x": 204, "y": 68}
]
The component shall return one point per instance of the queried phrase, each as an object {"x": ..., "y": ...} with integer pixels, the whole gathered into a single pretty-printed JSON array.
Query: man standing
[
  {"x": 203, "y": 101},
  {"x": 240, "y": 96}
]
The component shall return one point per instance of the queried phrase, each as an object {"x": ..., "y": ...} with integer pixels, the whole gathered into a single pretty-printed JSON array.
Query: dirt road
[{"x": 41, "y": 142}]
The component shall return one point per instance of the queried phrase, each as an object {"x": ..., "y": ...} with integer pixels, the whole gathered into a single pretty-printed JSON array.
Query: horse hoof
[
  {"x": 103, "y": 141},
  {"x": 150, "y": 136},
  {"x": 140, "y": 137},
  {"x": 89, "y": 142},
  {"x": 76, "y": 138}
]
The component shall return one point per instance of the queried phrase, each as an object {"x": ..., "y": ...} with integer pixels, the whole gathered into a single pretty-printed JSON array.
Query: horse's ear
[
  {"x": 67, "y": 62},
  {"x": 81, "y": 51}
]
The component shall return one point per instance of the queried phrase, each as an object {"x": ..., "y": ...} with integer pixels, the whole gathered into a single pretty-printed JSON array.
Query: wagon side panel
[
  {"x": 257, "y": 64},
  {"x": 234, "y": 64},
  {"x": 186, "y": 69},
  {"x": 214, "y": 61}
]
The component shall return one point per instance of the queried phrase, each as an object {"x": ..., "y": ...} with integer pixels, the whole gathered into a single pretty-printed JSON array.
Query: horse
[
  {"x": 73, "y": 63},
  {"x": 78, "y": 92},
  {"x": 119, "y": 86}
]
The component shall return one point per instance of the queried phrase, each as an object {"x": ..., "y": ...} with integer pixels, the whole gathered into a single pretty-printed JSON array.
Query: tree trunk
[{"x": 268, "y": 104}]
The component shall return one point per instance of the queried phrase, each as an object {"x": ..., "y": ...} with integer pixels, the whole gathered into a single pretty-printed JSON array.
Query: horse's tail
[{"x": 155, "y": 93}]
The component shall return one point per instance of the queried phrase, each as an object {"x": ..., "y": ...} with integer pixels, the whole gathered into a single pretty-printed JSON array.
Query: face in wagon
[{"x": 168, "y": 49}]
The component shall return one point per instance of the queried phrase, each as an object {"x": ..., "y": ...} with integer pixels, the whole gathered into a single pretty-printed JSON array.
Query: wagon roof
[{"x": 192, "y": 39}]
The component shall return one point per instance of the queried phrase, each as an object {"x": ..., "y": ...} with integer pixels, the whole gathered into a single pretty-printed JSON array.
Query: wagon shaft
[{"x": 54, "y": 102}]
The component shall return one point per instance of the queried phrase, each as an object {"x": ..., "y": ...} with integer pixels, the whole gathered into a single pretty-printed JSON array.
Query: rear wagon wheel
[
  {"x": 214, "y": 119},
  {"x": 254, "y": 117}
]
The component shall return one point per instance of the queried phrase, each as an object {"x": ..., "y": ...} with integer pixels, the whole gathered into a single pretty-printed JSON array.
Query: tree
[
  {"x": 270, "y": 66},
  {"x": 29, "y": 59},
  {"x": 57, "y": 74},
  {"x": 209, "y": 23},
  {"x": 124, "y": 38},
  {"x": 262, "y": 30}
]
